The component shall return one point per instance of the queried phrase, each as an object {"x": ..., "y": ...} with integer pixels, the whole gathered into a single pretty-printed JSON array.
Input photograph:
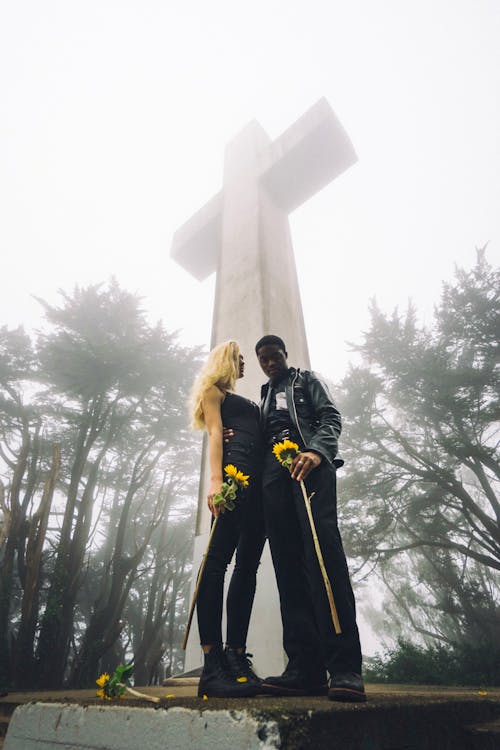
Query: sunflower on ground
[
  {"x": 115, "y": 685},
  {"x": 102, "y": 681}
]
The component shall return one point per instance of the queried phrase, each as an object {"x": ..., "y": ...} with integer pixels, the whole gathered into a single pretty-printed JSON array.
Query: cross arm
[
  {"x": 196, "y": 244},
  {"x": 306, "y": 157}
]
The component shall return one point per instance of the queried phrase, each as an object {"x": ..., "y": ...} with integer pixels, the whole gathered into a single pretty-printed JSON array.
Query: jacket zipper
[{"x": 295, "y": 409}]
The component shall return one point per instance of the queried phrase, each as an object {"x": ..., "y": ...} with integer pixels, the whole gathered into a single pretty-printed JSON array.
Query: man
[{"x": 297, "y": 406}]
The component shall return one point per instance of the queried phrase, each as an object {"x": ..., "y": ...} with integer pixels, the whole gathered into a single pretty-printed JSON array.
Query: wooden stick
[
  {"x": 198, "y": 582},
  {"x": 329, "y": 592}
]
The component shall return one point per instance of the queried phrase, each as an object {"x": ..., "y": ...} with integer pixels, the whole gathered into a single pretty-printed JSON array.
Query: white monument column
[{"x": 243, "y": 234}]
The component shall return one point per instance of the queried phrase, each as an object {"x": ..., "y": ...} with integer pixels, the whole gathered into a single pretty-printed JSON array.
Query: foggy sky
[
  {"x": 113, "y": 122},
  {"x": 114, "y": 117}
]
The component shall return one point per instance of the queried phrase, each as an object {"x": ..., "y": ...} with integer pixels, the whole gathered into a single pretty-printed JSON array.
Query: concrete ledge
[
  {"x": 395, "y": 717},
  {"x": 47, "y": 726}
]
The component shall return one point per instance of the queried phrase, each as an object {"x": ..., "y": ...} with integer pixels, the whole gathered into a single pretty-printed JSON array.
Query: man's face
[{"x": 272, "y": 360}]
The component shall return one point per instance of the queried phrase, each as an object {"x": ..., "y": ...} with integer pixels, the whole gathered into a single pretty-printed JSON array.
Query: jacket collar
[
  {"x": 289, "y": 374},
  {"x": 265, "y": 388}
]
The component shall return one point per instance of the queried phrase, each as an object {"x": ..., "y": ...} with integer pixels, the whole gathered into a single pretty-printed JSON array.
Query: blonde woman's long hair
[{"x": 221, "y": 369}]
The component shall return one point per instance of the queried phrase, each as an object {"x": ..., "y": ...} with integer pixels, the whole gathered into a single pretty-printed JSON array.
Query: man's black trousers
[{"x": 309, "y": 638}]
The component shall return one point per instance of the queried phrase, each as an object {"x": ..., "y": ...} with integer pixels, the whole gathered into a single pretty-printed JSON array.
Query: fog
[{"x": 114, "y": 117}]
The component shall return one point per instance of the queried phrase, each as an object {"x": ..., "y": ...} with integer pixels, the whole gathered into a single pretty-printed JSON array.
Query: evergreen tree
[
  {"x": 420, "y": 496},
  {"x": 94, "y": 429}
]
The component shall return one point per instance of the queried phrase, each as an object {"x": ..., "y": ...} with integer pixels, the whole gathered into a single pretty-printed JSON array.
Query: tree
[
  {"x": 24, "y": 470},
  {"x": 92, "y": 432},
  {"x": 421, "y": 442},
  {"x": 159, "y": 594}
]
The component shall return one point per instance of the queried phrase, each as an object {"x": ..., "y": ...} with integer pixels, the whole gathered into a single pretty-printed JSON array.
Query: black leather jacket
[{"x": 313, "y": 413}]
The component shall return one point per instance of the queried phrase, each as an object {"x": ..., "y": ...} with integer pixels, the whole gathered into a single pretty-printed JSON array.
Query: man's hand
[
  {"x": 227, "y": 434},
  {"x": 304, "y": 463}
]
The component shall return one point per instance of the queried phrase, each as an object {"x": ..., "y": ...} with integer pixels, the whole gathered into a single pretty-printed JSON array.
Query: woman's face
[{"x": 241, "y": 366}]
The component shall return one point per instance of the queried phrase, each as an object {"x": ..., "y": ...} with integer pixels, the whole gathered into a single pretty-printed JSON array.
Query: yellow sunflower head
[
  {"x": 285, "y": 451},
  {"x": 238, "y": 476},
  {"x": 242, "y": 479},
  {"x": 231, "y": 471},
  {"x": 103, "y": 679}
]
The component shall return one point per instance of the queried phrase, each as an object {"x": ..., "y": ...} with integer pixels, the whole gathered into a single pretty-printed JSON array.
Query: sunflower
[
  {"x": 285, "y": 452},
  {"x": 105, "y": 687},
  {"x": 115, "y": 686},
  {"x": 102, "y": 694},
  {"x": 229, "y": 489},
  {"x": 238, "y": 476}
]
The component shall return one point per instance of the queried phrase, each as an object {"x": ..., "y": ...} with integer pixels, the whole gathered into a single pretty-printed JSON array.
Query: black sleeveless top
[{"x": 244, "y": 449}]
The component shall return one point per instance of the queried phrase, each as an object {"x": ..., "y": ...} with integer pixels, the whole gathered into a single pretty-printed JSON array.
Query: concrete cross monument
[{"x": 243, "y": 235}]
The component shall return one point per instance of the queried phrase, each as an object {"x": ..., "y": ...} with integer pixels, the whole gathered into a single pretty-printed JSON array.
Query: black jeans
[
  {"x": 309, "y": 638},
  {"x": 241, "y": 529}
]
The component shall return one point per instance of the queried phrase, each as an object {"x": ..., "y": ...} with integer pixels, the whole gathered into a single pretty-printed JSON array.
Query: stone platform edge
[
  {"x": 277, "y": 724},
  {"x": 40, "y": 726}
]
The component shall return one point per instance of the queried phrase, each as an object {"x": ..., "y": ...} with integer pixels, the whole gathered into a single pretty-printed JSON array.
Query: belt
[{"x": 286, "y": 434}]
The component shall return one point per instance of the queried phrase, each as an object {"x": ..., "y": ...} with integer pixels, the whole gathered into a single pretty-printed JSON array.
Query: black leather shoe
[
  {"x": 295, "y": 682},
  {"x": 347, "y": 686},
  {"x": 240, "y": 665},
  {"x": 217, "y": 682}
]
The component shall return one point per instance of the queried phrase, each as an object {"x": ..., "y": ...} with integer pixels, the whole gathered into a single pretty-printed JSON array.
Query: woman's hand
[{"x": 215, "y": 485}]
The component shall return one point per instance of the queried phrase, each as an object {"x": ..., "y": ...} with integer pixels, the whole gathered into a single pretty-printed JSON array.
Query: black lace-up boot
[
  {"x": 347, "y": 686},
  {"x": 216, "y": 680},
  {"x": 240, "y": 665},
  {"x": 297, "y": 679}
]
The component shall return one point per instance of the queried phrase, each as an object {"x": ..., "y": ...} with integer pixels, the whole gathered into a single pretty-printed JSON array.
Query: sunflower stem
[
  {"x": 137, "y": 694},
  {"x": 319, "y": 555},
  {"x": 198, "y": 582}
]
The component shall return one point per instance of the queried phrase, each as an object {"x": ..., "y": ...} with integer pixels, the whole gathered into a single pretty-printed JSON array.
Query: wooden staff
[
  {"x": 198, "y": 582},
  {"x": 329, "y": 592}
]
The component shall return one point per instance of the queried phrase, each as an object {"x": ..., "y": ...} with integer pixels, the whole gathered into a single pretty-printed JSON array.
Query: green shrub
[{"x": 462, "y": 664}]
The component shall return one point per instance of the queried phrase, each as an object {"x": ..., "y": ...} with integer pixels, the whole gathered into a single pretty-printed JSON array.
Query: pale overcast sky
[{"x": 114, "y": 117}]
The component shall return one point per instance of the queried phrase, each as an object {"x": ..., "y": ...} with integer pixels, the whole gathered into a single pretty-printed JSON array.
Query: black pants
[
  {"x": 241, "y": 529},
  {"x": 309, "y": 637}
]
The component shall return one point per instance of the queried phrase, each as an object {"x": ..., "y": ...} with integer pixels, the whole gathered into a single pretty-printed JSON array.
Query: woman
[{"x": 228, "y": 673}]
